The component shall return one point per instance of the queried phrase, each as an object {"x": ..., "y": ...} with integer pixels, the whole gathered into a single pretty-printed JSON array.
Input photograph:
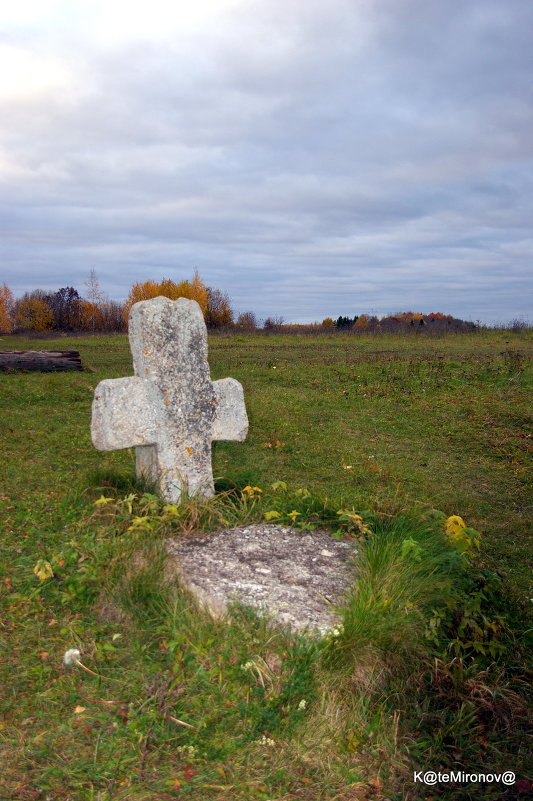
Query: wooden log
[{"x": 43, "y": 360}]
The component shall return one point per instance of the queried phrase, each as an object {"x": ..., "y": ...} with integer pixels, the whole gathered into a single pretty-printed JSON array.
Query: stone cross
[{"x": 170, "y": 411}]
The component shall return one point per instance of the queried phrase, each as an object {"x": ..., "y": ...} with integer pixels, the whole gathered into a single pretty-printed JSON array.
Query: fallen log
[{"x": 43, "y": 360}]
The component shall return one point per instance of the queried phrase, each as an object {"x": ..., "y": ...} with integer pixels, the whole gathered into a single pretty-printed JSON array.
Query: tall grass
[{"x": 405, "y": 571}]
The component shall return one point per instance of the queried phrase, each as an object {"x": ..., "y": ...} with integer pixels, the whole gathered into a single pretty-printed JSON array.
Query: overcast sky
[{"x": 310, "y": 157}]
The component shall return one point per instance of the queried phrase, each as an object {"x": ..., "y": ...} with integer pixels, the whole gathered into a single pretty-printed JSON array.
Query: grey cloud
[{"x": 360, "y": 155}]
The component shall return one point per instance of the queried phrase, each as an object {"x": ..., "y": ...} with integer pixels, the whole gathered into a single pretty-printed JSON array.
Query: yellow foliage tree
[
  {"x": 91, "y": 316},
  {"x": 7, "y": 306},
  {"x": 33, "y": 313},
  {"x": 142, "y": 291},
  {"x": 199, "y": 292},
  {"x": 193, "y": 290},
  {"x": 410, "y": 317},
  {"x": 362, "y": 322}
]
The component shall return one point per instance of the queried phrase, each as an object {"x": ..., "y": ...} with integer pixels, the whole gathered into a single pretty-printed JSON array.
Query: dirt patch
[{"x": 297, "y": 577}]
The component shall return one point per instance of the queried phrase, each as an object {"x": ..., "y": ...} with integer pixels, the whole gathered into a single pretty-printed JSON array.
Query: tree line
[
  {"x": 401, "y": 321},
  {"x": 65, "y": 310}
]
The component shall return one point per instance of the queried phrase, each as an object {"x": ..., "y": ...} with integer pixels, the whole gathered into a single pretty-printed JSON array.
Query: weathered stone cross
[{"x": 170, "y": 411}]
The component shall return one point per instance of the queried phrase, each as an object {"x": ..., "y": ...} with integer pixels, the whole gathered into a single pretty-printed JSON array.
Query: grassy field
[{"x": 385, "y": 427}]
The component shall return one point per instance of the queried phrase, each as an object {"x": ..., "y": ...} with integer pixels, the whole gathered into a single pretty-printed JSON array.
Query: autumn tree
[
  {"x": 409, "y": 317},
  {"x": 362, "y": 323},
  {"x": 7, "y": 309},
  {"x": 112, "y": 316},
  {"x": 193, "y": 290},
  {"x": 90, "y": 316},
  {"x": 199, "y": 292},
  {"x": 33, "y": 312},
  {"x": 247, "y": 321},
  {"x": 218, "y": 313},
  {"x": 142, "y": 291}
]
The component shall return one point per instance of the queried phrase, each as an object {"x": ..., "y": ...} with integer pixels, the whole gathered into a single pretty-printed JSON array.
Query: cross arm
[
  {"x": 231, "y": 421},
  {"x": 121, "y": 415}
]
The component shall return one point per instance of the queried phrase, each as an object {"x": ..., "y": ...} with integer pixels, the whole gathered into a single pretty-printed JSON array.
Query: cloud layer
[{"x": 311, "y": 159}]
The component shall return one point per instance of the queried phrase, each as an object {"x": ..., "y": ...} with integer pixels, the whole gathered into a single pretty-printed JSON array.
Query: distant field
[{"x": 380, "y": 425}]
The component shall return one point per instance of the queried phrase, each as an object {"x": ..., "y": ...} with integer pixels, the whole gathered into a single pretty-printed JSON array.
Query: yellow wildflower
[
  {"x": 251, "y": 492},
  {"x": 43, "y": 570},
  {"x": 454, "y": 525},
  {"x": 102, "y": 501}
]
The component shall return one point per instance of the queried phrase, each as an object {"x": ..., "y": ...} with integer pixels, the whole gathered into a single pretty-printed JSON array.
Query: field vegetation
[{"x": 379, "y": 438}]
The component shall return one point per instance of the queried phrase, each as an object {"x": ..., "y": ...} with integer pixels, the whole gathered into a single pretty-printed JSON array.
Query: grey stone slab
[{"x": 298, "y": 578}]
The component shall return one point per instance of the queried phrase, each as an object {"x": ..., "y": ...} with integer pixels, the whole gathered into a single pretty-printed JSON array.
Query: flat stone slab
[{"x": 296, "y": 577}]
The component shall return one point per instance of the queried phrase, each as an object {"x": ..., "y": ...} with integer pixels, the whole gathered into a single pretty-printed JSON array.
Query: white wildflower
[
  {"x": 71, "y": 657},
  {"x": 265, "y": 741},
  {"x": 187, "y": 751},
  {"x": 248, "y": 666},
  {"x": 302, "y": 705}
]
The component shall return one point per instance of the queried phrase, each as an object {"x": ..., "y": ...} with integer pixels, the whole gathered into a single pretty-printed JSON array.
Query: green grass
[{"x": 428, "y": 669}]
